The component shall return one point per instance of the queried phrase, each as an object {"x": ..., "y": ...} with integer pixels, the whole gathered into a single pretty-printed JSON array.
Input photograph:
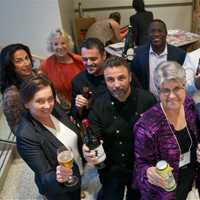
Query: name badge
[{"x": 184, "y": 159}]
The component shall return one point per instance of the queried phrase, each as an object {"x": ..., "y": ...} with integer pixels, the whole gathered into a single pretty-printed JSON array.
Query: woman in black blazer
[{"x": 41, "y": 131}]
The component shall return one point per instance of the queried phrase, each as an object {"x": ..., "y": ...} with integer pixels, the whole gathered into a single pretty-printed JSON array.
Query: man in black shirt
[
  {"x": 112, "y": 117},
  {"x": 93, "y": 56}
]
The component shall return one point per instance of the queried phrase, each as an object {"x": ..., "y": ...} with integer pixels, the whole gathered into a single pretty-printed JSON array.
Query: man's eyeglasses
[{"x": 167, "y": 91}]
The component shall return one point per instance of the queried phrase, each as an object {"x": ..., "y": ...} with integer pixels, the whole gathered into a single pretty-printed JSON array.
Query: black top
[
  {"x": 187, "y": 172},
  {"x": 140, "y": 23},
  {"x": 113, "y": 121},
  {"x": 184, "y": 140}
]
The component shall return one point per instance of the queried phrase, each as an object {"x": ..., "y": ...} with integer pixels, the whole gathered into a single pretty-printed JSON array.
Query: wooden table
[{"x": 178, "y": 38}]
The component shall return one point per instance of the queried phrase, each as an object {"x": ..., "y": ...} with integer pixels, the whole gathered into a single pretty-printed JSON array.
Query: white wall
[
  {"x": 114, "y": 3},
  {"x": 28, "y": 21},
  {"x": 176, "y": 16},
  {"x": 67, "y": 15}
]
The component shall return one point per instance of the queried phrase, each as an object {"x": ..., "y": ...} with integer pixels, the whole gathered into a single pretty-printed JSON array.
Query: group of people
[
  {"x": 138, "y": 124},
  {"x": 109, "y": 31}
]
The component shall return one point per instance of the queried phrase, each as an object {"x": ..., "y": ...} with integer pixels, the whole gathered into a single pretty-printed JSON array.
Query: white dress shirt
[
  {"x": 68, "y": 138},
  {"x": 190, "y": 65},
  {"x": 154, "y": 60}
]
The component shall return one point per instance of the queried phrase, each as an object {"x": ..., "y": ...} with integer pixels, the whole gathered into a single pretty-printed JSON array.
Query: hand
[
  {"x": 154, "y": 178},
  {"x": 198, "y": 153},
  {"x": 63, "y": 174},
  {"x": 81, "y": 101},
  {"x": 71, "y": 118},
  {"x": 89, "y": 155}
]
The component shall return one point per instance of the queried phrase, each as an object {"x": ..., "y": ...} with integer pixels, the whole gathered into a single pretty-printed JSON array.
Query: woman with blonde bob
[
  {"x": 167, "y": 131},
  {"x": 63, "y": 65}
]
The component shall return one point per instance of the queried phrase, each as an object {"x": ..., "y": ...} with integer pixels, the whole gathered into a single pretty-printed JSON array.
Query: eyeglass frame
[{"x": 168, "y": 91}]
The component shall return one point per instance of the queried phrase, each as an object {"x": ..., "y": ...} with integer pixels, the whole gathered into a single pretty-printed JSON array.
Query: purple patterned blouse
[{"x": 155, "y": 141}]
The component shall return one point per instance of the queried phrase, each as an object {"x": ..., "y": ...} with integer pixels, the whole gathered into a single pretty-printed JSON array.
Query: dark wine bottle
[
  {"x": 86, "y": 92},
  {"x": 128, "y": 51},
  {"x": 93, "y": 143}
]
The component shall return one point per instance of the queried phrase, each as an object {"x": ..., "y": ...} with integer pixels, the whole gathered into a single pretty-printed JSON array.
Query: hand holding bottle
[
  {"x": 89, "y": 155},
  {"x": 154, "y": 178},
  {"x": 93, "y": 148},
  {"x": 161, "y": 175},
  {"x": 81, "y": 101}
]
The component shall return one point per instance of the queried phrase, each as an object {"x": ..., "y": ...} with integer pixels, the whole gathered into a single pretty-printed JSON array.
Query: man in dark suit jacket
[{"x": 147, "y": 57}]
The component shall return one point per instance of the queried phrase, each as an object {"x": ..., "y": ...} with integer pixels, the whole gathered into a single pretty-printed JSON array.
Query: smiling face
[
  {"x": 158, "y": 35},
  {"x": 22, "y": 63},
  {"x": 42, "y": 103},
  {"x": 92, "y": 60},
  {"x": 172, "y": 95},
  {"x": 118, "y": 82},
  {"x": 60, "y": 46}
]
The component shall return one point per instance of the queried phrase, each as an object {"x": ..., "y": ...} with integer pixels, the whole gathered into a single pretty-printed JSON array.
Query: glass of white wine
[{"x": 65, "y": 158}]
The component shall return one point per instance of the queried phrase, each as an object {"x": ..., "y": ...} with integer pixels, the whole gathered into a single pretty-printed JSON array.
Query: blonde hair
[{"x": 58, "y": 32}]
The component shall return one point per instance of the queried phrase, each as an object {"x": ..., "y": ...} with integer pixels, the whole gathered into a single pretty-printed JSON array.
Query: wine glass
[{"x": 65, "y": 158}]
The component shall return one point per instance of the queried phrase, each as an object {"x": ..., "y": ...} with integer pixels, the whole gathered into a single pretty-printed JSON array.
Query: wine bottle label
[
  {"x": 130, "y": 54},
  {"x": 100, "y": 154}
]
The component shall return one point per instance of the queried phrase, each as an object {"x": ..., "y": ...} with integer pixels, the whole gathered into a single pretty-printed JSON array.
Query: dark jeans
[
  {"x": 68, "y": 196},
  {"x": 185, "y": 182},
  {"x": 114, "y": 182}
]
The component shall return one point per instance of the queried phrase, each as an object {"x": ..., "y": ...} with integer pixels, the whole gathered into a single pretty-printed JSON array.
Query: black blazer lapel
[
  {"x": 46, "y": 134},
  {"x": 176, "y": 54},
  {"x": 170, "y": 53},
  {"x": 145, "y": 67},
  {"x": 63, "y": 117}
]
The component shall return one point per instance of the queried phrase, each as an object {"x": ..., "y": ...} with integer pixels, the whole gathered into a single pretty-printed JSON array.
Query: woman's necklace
[{"x": 171, "y": 130}]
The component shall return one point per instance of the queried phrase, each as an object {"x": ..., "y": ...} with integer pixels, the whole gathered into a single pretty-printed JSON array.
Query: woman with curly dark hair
[{"x": 15, "y": 65}]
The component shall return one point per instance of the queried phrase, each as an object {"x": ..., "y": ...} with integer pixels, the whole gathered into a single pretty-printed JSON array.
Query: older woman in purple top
[{"x": 168, "y": 131}]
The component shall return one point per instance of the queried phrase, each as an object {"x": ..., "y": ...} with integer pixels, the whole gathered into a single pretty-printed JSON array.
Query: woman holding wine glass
[{"x": 41, "y": 132}]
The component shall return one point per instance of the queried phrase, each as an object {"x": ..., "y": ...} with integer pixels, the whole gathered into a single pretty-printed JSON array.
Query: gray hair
[
  {"x": 56, "y": 33},
  {"x": 169, "y": 70}
]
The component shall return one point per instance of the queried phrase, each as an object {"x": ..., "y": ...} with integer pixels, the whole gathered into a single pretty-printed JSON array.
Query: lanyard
[{"x": 168, "y": 122}]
